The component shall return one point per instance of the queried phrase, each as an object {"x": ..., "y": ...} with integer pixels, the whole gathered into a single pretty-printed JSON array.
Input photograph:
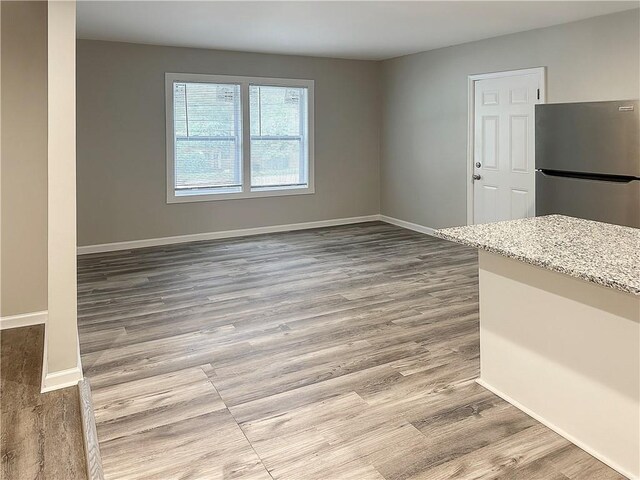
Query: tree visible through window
[
  {"x": 208, "y": 137},
  {"x": 278, "y": 136},
  {"x": 218, "y": 149}
]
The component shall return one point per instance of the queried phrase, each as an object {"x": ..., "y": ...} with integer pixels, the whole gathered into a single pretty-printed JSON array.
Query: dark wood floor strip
[
  {"x": 41, "y": 434},
  {"x": 337, "y": 353}
]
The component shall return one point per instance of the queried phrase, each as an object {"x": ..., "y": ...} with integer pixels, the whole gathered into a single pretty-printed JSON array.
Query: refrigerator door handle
[
  {"x": 587, "y": 176},
  {"x": 601, "y": 200}
]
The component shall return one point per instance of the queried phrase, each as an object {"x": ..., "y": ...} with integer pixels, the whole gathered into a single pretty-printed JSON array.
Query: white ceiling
[{"x": 372, "y": 30}]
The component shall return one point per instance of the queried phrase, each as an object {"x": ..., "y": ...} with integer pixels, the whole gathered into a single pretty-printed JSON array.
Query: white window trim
[{"x": 244, "y": 83}]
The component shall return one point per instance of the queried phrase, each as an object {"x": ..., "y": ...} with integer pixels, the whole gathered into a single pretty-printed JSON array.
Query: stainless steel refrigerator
[{"x": 588, "y": 161}]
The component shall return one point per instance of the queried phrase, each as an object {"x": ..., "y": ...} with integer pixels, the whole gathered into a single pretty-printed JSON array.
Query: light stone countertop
[{"x": 601, "y": 253}]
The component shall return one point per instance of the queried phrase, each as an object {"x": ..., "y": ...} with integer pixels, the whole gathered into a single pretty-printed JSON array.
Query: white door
[{"x": 504, "y": 147}]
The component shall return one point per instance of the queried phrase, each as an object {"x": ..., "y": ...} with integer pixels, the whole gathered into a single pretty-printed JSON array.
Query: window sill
[{"x": 256, "y": 193}]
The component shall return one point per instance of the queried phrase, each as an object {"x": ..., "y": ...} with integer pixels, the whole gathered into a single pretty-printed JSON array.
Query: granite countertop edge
[{"x": 548, "y": 265}]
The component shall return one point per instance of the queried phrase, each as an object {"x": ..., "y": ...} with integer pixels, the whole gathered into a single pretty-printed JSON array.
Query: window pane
[
  {"x": 206, "y": 163},
  {"x": 207, "y": 134},
  {"x": 278, "y": 136},
  {"x": 275, "y": 162}
]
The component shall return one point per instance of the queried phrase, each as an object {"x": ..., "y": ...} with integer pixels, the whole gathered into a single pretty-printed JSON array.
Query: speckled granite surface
[{"x": 601, "y": 253}]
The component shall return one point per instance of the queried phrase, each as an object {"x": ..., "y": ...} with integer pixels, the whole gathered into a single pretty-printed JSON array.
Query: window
[
  {"x": 207, "y": 132},
  {"x": 238, "y": 137},
  {"x": 279, "y": 149}
]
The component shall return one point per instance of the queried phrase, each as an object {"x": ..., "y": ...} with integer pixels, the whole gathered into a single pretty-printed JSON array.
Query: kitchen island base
[{"x": 565, "y": 351}]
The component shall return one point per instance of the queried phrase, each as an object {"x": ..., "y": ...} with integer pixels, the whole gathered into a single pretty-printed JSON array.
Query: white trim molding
[
  {"x": 62, "y": 378},
  {"x": 243, "y": 138},
  {"x": 50, "y": 381},
  {"x": 244, "y": 232},
  {"x": 23, "y": 320},
  {"x": 472, "y": 79},
  {"x": 408, "y": 225}
]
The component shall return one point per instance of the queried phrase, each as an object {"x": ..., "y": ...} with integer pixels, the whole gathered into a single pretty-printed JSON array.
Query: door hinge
[{"x": 538, "y": 94}]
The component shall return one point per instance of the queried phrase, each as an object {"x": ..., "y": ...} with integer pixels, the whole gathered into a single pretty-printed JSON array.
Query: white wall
[{"x": 424, "y": 108}]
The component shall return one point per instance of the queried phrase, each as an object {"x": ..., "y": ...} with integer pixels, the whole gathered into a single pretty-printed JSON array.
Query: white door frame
[{"x": 472, "y": 79}]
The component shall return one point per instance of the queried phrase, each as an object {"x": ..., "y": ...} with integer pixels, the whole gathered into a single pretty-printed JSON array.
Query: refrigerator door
[
  {"x": 594, "y": 137},
  {"x": 600, "y": 200}
]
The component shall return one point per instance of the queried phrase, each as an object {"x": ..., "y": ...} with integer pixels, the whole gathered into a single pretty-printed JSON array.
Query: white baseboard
[
  {"x": 411, "y": 226},
  {"x": 23, "y": 320},
  {"x": 559, "y": 431},
  {"x": 152, "y": 242},
  {"x": 62, "y": 378}
]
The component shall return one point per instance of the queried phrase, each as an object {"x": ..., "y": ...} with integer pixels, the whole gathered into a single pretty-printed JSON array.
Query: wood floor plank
[
  {"x": 330, "y": 354},
  {"x": 154, "y": 402},
  {"x": 206, "y": 446}
]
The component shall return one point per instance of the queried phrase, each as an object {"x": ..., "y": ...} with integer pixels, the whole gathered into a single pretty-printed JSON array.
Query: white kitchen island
[{"x": 560, "y": 327}]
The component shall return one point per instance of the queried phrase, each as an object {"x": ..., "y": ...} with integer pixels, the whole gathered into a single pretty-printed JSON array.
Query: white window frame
[{"x": 245, "y": 83}]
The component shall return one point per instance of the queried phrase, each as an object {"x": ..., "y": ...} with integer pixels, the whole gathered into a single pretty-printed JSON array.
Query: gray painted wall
[
  {"x": 424, "y": 111},
  {"x": 24, "y": 158},
  {"x": 121, "y": 142}
]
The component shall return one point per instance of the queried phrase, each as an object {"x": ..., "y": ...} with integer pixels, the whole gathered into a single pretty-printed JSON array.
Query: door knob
[{"x": 477, "y": 177}]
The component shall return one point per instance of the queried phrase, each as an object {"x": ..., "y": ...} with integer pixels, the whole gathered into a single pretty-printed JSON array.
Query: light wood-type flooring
[
  {"x": 41, "y": 433},
  {"x": 338, "y": 353}
]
